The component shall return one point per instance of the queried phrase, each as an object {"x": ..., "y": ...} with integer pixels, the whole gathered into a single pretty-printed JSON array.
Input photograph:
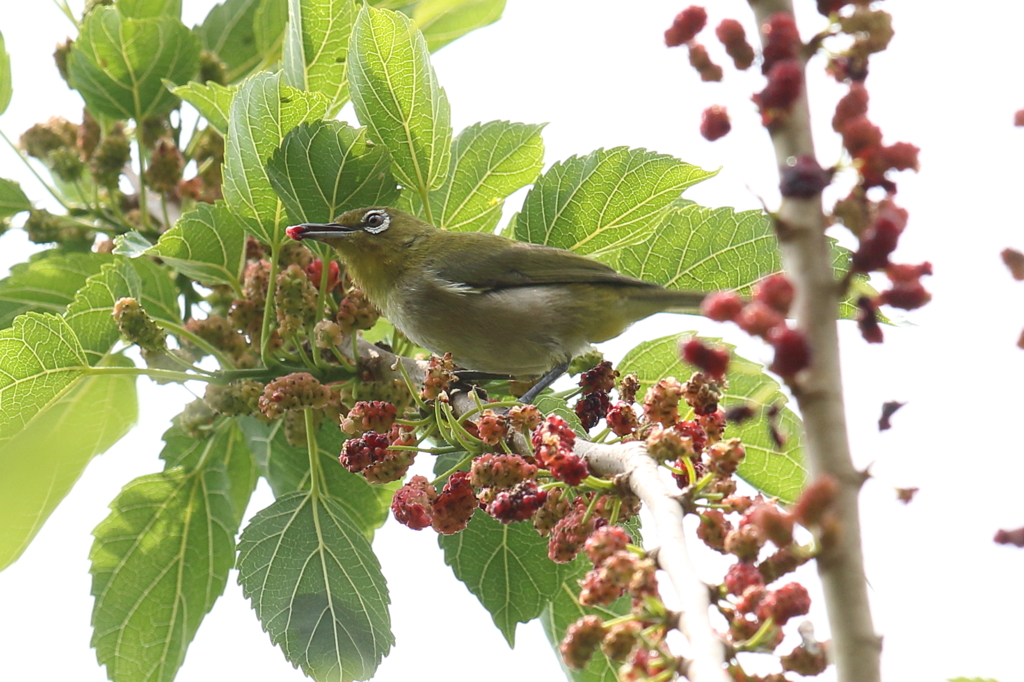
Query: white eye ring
[{"x": 385, "y": 221}]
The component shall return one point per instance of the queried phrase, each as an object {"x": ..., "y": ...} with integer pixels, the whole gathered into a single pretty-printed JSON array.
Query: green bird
[{"x": 499, "y": 306}]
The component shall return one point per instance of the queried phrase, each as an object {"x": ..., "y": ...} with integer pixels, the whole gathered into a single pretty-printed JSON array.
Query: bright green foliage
[
  {"x": 119, "y": 64},
  {"x": 148, "y": 9},
  {"x": 442, "y": 21},
  {"x": 263, "y": 111},
  {"x": 489, "y": 162},
  {"x": 89, "y": 315},
  {"x": 774, "y": 470},
  {"x": 709, "y": 249},
  {"x": 207, "y": 244},
  {"x": 40, "y": 359},
  {"x": 316, "y": 587},
  {"x": 268, "y": 27},
  {"x": 182, "y": 450},
  {"x": 286, "y": 469},
  {"x": 47, "y": 283},
  {"x": 397, "y": 97},
  {"x": 211, "y": 100},
  {"x": 598, "y": 203},
  {"x": 506, "y": 566},
  {"x": 326, "y": 167},
  {"x": 6, "y": 87},
  {"x": 548, "y": 404},
  {"x": 12, "y": 199},
  {"x": 162, "y": 556},
  {"x": 43, "y": 460},
  {"x": 316, "y": 45},
  {"x": 227, "y": 31},
  {"x": 159, "y": 293},
  {"x": 565, "y": 609}
]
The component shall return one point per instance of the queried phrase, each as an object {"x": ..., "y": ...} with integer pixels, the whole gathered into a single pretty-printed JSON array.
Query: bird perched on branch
[{"x": 498, "y": 305}]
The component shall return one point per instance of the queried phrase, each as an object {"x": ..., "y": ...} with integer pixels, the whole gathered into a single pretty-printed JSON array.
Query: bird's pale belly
[{"x": 519, "y": 332}]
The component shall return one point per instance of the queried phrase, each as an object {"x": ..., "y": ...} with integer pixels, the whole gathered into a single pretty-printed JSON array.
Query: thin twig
[{"x": 819, "y": 393}]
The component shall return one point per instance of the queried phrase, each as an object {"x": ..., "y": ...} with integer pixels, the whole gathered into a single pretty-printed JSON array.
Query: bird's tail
[{"x": 669, "y": 300}]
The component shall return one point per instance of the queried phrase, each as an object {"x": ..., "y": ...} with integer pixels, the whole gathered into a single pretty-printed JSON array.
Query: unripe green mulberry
[
  {"x": 44, "y": 227},
  {"x": 294, "y": 300},
  {"x": 195, "y": 419},
  {"x": 212, "y": 68},
  {"x": 237, "y": 398},
  {"x": 110, "y": 158},
  {"x": 165, "y": 166},
  {"x": 137, "y": 326}
]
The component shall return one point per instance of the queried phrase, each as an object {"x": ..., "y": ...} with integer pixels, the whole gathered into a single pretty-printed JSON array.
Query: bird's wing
[{"x": 507, "y": 264}]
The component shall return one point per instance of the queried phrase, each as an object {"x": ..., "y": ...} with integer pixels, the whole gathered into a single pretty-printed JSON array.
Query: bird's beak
[{"x": 318, "y": 231}]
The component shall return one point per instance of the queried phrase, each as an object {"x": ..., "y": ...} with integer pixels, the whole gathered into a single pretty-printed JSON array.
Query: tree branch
[
  {"x": 630, "y": 462},
  {"x": 801, "y": 224}
]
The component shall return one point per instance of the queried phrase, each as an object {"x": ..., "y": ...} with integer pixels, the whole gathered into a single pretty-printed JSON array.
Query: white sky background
[{"x": 598, "y": 72}]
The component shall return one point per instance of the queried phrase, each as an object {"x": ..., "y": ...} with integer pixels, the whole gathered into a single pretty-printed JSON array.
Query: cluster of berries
[
  {"x": 764, "y": 316},
  {"x": 755, "y": 611},
  {"x": 636, "y": 641}
]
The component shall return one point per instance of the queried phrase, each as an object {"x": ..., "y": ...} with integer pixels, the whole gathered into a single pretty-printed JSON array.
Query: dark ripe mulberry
[
  {"x": 783, "y": 40},
  {"x": 792, "y": 351},
  {"x": 591, "y": 408},
  {"x": 804, "y": 178},
  {"x": 785, "y": 83},
  {"x": 395, "y": 463},
  {"x": 867, "y": 320},
  {"x": 455, "y": 504},
  {"x": 412, "y": 503},
  {"x": 359, "y": 453},
  {"x": 600, "y": 378},
  {"x": 519, "y": 503},
  {"x": 709, "y": 360},
  {"x": 732, "y": 36},
  {"x": 686, "y": 26}
]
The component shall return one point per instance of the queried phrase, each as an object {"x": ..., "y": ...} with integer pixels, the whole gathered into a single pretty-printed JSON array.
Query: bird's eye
[{"x": 376, "y": 221}]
